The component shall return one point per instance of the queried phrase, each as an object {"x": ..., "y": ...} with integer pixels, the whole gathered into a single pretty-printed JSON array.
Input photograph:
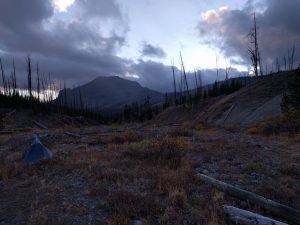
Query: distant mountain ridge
[{"x": 109, "y": 94}]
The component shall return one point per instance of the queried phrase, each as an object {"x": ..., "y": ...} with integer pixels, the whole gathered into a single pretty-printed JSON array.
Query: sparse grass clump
[
  {"x": 165, "y": 151},
  {"x": 277, "y": 125},
  {"x": 178, "y": 198},
  {"x": 290, "y": 169},
  {"x": 148, "y": 180},
  {"x": 126, "y": 137},
  {"x": 297, "y": 138},
  {"x": 252, "y": 168},
  {"x": 181, "y": 132}
]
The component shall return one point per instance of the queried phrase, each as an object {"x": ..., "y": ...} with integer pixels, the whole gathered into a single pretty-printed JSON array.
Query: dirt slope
[{"x": 250, "y": 105}]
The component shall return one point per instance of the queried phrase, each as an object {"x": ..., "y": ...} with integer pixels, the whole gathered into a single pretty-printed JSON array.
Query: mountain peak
[{"x": 113, "y": 92}]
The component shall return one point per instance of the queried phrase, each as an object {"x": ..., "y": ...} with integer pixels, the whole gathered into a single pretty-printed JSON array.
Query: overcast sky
[{"x": 78, "y": 40}]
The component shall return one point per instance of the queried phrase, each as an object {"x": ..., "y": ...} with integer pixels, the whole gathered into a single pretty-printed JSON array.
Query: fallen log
[
  {"x": 229, "y": 111},
  {"x": 73, "y": 134},
  {"x": 5, "y": 148},
  {"x": 39, "y": 124},
  {"x": 9, "y": 114},
  {"x": 3, "y": 132},
  {"x": 275, "y": 208},
  {"x": 242, "y": 217}
]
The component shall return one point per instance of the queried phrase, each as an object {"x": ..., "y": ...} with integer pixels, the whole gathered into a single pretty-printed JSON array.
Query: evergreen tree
[{"x": 291, "y": 103}]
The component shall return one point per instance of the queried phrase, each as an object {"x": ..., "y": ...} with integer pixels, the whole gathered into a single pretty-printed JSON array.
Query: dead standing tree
[
  {"x": 29, "y": 76},
  {"x": 3, "y": 77},
  {"x": 254, "y": 50},
  {"x": 14, "y": 79},
  {"x": 174, "y": 83},
  {"x": 185, "y": 78},
  {"x": 291, "y": 58},
  {"x": 38, "y": 81}
]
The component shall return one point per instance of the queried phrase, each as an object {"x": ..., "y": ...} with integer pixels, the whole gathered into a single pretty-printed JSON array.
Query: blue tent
[{"x": 36, "y": 152}]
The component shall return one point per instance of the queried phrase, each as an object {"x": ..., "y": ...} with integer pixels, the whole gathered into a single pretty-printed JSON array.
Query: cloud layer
[
  {"x": 71, "y": 48},
  {"x": 85, "y": 42},
  {"x": 153, "y": 51},
  {"x": 228, "y": 29}
]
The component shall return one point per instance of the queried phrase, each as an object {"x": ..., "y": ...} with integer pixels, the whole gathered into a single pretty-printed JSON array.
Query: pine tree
[{"x": 291, "y": 103}]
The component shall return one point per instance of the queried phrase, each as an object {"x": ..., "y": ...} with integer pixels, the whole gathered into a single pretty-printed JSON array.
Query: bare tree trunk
[
  {"x": 277, "y": 65},
  {"x": 174, "y": 82},
  {"x": 200, "y": 79},
  {"x": 185, "y": 78},
  {"x": 3, "y": 77},
  {"x": 14, "y": 79},
  {"x": 196, "y": 81},
  {"x": 227, "y": 72},
  {"x": 284, "y": 211},
  {"x": 260, "y": 65},
  {"x": 43, "y": 88},
  {"x": 38, "y": 81},
  {"x": 217, "y": 67},
  {"x": 65, "y": 94},
  {"x": 292, "y": 57},
  {"x": 80, "y": 100},
  {"x": 254, "y": 51},
  {"x": 242, "y": 217},
  {"x": 29, "y": 76}
]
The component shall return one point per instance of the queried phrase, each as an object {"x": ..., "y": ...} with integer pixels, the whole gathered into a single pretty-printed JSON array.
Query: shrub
[
  {"x": 252, "y": 168},
  {"x": 165, "y": 151},
  {"x": 178, "y": 198}
]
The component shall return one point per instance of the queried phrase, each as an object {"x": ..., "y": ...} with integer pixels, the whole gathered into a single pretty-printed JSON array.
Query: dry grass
[
  {"x": 297, "y": 138},
  {"x": 182, "y": 131},
  {"x": 274, "y": 125},
  {"x": 290, "y": 169},
  {"x": 252, "y": 168},
  {"x": 127, "y": 176},
  {"x": 150, "y": 180},
  {"x": 120, "y": 138}
]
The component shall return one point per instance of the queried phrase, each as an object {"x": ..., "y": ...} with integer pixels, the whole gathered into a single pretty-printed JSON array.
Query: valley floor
[{"x": 142, "y": 174}]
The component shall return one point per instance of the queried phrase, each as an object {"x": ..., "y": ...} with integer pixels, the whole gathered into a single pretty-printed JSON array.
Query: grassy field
[{"x": 141, "y": 173}]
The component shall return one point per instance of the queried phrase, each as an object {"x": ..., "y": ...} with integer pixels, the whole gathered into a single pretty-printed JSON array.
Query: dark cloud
[
  {"x": 159, "y": 77},
  {"x": 68, "y": 49},
  {"x": 278, "y": 24},
  {"x": 22, "y": 14},
  {"x": 154, "y": 75},
  {"x": 152, "y": 51},
  {"x": 76, "y": 50}
]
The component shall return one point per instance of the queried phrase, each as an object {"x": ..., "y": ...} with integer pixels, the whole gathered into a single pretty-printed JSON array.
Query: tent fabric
[{"x": 36, "y": 152}]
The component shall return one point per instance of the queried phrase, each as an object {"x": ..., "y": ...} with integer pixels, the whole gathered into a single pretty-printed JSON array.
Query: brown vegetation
[{"x": 117, "y": 175}]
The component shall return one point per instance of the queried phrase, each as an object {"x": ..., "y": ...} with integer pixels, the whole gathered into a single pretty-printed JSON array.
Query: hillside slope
[
  {"x": 250, "y": 105},
  {"x": 258, "y": 101}
]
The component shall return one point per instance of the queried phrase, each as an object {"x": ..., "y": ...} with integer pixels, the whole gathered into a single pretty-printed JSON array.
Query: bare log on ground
[
  {"x": 3, "y": 132},
  {"x": 229, "y": 111},
  {"x": 242, "y": 217},
  {"x": 39, "y": 124},
  {"x": 9, "y": 114},
  {"x": 275, "y": 208},
  {"x": 73, "y": 134},
  {"x": 5, "y": 148}
]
